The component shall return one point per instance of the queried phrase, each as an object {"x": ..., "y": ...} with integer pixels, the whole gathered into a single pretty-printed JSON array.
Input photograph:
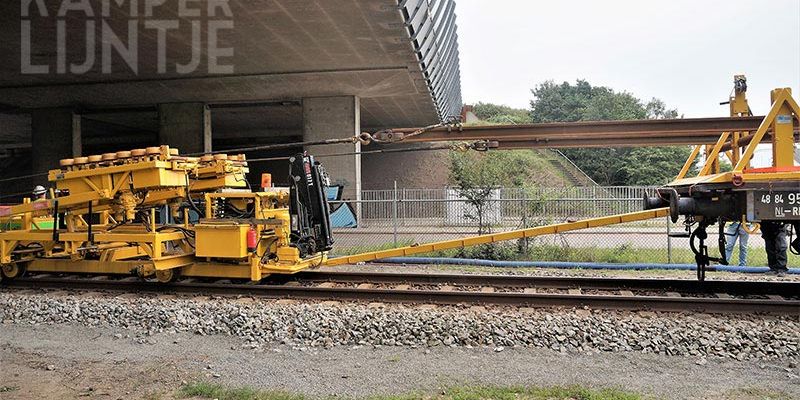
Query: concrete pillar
[
  {"x": 333, "y": 118},
  {"x": 185, "y": 126},
  {"x": 55, "y": 134}
]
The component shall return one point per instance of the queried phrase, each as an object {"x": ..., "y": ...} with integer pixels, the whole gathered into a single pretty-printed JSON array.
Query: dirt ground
[{"x": 70, "y": 362}]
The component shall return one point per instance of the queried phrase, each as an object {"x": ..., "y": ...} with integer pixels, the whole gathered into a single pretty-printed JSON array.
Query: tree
[
  {"x": 609, "y": 166},
  {"x": 656, "y": 109},
  {"x": 476, "y": 176},
  {"x": 582, "y": 102},
  {"x": 501, "y": 114},
  {"x": 645, "y": 163}
]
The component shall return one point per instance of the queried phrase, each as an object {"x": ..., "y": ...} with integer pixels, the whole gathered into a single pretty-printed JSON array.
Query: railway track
[{"x": 522, "y": 291}]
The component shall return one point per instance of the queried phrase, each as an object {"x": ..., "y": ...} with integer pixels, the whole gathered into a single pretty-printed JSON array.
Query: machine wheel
[
  {"x": 12, "y": 271},
  {"x": 167, "y": 275}
]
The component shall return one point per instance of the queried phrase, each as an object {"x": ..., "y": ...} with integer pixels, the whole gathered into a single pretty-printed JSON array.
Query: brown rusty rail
[{"x": 686, "y": 131}]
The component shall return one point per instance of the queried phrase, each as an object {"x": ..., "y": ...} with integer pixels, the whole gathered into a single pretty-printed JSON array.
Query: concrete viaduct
[{"x": 93, "y": 76}]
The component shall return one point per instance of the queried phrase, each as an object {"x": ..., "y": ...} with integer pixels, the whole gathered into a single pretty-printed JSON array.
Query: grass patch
[
  {"x": 7, "y": 389},
  {"x": 520, "y": 393},
  {"x": 622, "y": 254},
  {"x": 216, "y": 391}
]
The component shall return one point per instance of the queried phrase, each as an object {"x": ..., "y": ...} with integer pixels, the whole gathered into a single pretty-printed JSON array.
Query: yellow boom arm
[{"x": 498, "y": 237}]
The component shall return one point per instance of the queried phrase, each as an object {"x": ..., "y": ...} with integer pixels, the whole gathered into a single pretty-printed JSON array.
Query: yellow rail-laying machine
[{"x": 134, "y": 212}]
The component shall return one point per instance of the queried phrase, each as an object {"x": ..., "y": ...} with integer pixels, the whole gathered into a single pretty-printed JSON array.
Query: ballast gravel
[{"x": 309, "y": 325}]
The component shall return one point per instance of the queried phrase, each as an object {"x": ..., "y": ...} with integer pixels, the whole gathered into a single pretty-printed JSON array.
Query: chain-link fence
[{"x": 390, "y": 218}]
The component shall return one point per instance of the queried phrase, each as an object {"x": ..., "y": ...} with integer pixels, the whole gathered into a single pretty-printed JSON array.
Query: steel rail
[
  {"x": 444, "y": 297},
  {"x": 732, "y": 287},
  {"x": 593, "y": 133},
  {"x": 623, "y": 141},
  {"x": 605, "y": 142}
]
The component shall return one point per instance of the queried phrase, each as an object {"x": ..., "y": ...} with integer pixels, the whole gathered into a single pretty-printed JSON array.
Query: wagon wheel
[
  {"x": 167, "y": 275},
  {"x": 12, "y": 271}
]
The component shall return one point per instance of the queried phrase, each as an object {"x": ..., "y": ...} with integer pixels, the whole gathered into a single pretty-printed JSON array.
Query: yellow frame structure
[{"x": 779, "y": 120}]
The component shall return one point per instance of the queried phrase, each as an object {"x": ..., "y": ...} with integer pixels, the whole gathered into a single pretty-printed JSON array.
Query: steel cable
[
  {"x": 364, "y": 138},
  {"x": 381, "y": 151}
]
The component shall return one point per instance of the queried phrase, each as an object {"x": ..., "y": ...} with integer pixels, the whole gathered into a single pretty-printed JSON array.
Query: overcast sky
[{"x": 684, "y": 52}]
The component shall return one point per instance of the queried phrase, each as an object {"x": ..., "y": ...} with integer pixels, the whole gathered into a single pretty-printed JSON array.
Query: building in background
[{"x": 299, "y": 71}]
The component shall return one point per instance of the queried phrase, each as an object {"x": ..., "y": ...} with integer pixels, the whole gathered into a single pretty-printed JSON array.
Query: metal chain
[
  {"x": 389, "y": 136},
  {"x": 384, "y": 137},
  {"x": 461, "y": 147},
  {"x": 280, "y": 146}
]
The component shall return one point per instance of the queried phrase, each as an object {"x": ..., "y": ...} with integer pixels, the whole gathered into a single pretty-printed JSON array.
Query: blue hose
[{"x": 570, "y": 265}]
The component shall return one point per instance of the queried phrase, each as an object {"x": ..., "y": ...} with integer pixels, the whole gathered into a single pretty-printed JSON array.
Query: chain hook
[{"x": 364, "y": 138}]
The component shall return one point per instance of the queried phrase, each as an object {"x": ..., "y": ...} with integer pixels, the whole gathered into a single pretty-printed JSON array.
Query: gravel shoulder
[
  {"x": 66, "y": 361},
  {"x": 65, "y": 345}
]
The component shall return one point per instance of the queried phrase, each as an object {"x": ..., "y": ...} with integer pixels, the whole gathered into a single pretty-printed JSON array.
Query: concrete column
[
  {"x": 185, "y": 126},
  {"x": 55, "y": 134},
  {"x": 333, "y": 118}
]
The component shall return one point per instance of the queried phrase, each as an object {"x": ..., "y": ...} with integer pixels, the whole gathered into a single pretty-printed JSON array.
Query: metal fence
[
  {"x": 447, "y": 207},
  {"x": 398, "y": 217}
]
